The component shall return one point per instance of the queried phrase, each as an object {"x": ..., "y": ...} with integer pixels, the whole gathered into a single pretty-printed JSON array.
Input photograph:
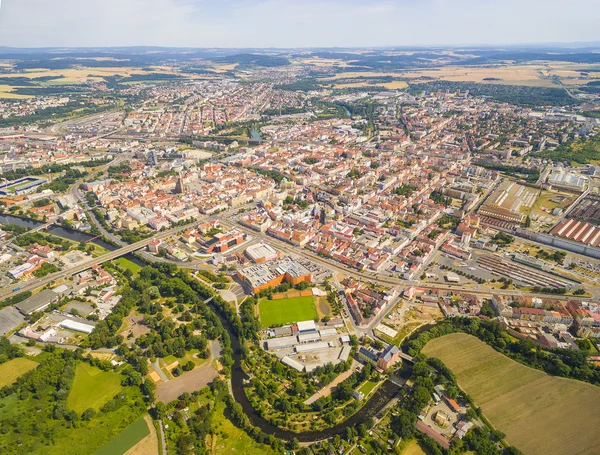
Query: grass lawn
[
  {"x": 92, "y": 388},
  {"x": 286, "y": 311},
  {"x": 98, "y": 250},
  {"x": 10, "y": 371},
  {"x": 367, "y": 387},
  {"x": 413, "y": 448},
  {"x": 189, "y": 355},
  {"x": 540, "y": 414},
  {"x": 125, "y": 440},
  {"x": 126, "y": 264}
]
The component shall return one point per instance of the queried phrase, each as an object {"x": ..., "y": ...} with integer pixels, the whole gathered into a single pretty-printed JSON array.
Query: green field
[
  {"x": 10, "y": 371},
  {"x": 92, "y": 388},
  {"x": 540, "y": 414},
  {"x": 125, "y": 440},
  {"x": 126, "y": 264},
  {"x": 286, "y": 311},
  {"x": 367, "y": 387}
]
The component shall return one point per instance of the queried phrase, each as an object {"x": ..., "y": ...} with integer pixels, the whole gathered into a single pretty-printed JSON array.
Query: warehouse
[
  {"x": 37, "y": 302},
  {"x": 281, "y": 343},
  {"x": 313, "y": 347},
  {"x": 292, "y": 363},
  {"x": 76, "y": 326}
]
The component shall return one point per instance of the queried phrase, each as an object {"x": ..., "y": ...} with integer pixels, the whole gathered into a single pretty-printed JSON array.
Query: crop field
[
  {"x": 149, "y": 444},
  {"x": 286, "y": 311},
  {"x": 92, "y": 388},
  {"x": 13, "y": 369},
  {"x": 6, "y": 93},
  {"x": 395, "y": 85},
  {"x": 125, "y": 440},
  {"x": 540, "y": 414}
]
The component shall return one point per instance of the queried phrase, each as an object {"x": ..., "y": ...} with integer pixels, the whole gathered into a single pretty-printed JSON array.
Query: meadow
[
  {"x": 540, "y": 414},
  {"x": 13, "y": 369},
  {"x": 286, "y": 311},
  {"x": 92, "y": 388}
]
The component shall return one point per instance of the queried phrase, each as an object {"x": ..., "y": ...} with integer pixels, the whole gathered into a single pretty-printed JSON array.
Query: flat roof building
[
  {"x": 281, "y": 343},
  {"x": 37, "y": 302},
  {"x": 306, "y": 326},
  {"x": 261, "y": 253},
  {"x": 292, "y": 363},
  {"x": 264, "y": 276},
  {"x": 318, "y": 346}
]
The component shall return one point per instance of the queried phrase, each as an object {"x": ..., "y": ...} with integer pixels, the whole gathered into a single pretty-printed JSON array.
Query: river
[
  {"x": 386, "y": 392},
  {"x": 254, "y": 134},
  {"x": 61, "y": 231}
]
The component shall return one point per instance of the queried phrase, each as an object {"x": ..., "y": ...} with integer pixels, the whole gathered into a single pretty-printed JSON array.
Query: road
[
  {"x": 378, "y": 278},
  {"x": 31, "y": 285}
]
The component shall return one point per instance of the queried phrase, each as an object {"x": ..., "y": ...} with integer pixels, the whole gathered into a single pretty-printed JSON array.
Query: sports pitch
[
  {"x": 540, "y": 414},
  {"x": 286, "y": 311}
]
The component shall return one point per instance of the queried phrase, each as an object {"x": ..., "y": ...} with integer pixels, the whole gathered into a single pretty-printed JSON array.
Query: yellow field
[
  {"x": 6, "y": 92},
  {"x": 389, "y": 85},
  {"x": 530, "y": 75},
  {"x": 13, "y": 369},
  {"x": 81, "y": 75},
  {"x": 316, "y": 61},
  {"x": 358, "y": 75},
  {"x": 224, "y": 68},
  {"x": 413, "y": 448},
  {"x": 540, "y": 414}
]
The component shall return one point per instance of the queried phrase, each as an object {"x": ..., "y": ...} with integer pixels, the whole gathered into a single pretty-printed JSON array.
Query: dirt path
[{"x": 326, "y": 391}]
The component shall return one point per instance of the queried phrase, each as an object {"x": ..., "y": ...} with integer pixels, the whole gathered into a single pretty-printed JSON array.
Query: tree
[
  {"x": 403, "y": 424},
  {"x": 88, "y": 414}
]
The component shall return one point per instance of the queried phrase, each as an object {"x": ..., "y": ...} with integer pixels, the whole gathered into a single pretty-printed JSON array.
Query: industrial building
[
  {"x": 263, "y": 276},
  {"x": 37, "y": 302}
]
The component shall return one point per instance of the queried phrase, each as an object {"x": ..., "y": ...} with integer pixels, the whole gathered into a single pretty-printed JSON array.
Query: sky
[{"x": 295, "y": 23}]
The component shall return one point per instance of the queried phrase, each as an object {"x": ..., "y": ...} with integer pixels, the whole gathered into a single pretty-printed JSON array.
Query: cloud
[{"x": 293, "y": 23}]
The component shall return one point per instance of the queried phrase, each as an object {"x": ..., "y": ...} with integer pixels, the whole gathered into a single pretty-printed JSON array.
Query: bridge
[
  {"x": 35, "y": 284},
  {"x": 407, "y": 357}
]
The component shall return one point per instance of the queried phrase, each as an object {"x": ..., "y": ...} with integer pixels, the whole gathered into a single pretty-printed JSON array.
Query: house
[{"x": 452, "y": 403}]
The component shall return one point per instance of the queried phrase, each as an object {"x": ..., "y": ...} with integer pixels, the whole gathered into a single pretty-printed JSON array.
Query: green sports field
[
  {"x": 540, "y": 414},
  {"x": 286, "y": 311},
  {"x": 10, "y": 371},
  {"x": 125, "y": 440},
  {"x": 92, "y": 388}
]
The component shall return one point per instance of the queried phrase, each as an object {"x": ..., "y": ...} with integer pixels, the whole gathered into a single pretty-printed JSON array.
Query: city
[{"x": 311, "y": 251}]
